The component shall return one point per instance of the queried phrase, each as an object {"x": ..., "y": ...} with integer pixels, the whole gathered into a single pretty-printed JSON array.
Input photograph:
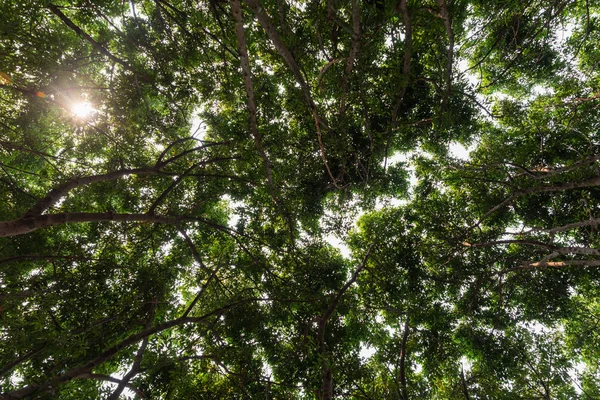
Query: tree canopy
[{"x": 264, "y": 199}]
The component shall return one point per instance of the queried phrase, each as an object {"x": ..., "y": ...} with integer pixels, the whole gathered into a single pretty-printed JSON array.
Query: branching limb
[
  {"x": 267, "y": 23},
  {"x": 56, "y": 194},
  {"x": 212, "y": 274},
  {"x": 574, "y": 225},
  {"x": 325, "y": 69},
  {"x": 168, "y": 190},
  {"x": 85, "y": 369}
]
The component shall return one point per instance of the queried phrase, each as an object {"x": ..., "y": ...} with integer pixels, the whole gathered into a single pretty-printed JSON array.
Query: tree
[{"x": 173, "y": 175}]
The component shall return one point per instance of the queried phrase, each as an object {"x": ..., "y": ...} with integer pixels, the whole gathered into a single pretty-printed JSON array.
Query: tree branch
[
  {"x": 137, "y": 361},
  {"x": 326, "y": 391},
  {"x": 589, "y": 222},
  {"x": 554, "y": 264},
  {"x": 67, "y": 21},
  {"x": 267, "y": 24},
  {"x": 356, "y": 37},
  {"x": 403, "y": 359},
  {"x": 61, "y": 191},
  {"x": 247, "y": 74},
  {"x": 85, "y": 369},
  {"x": 107, "y": 378},
  {"x": 445, "y": 15},
  {"x": 406, "y": 17},
  {"x": 29, "y": 224},
  {"x": 535, "y": 190}
]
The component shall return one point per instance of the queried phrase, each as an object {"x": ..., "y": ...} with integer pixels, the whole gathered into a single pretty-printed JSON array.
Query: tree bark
[
  {"x": 252, "y": 110},
  {"x": 403, "y": 360},
  {"x": 355, "y": 48},
  {"x": 445, "y": 15},
  {"x": 543, "y": 189},
  {"x": 326, "y": 391},
  {"x": 25, "y": 225},
  {"x": 67, "y": 21},
  {"x": 61, "y": 191},
  {"x": 406, "y": 18}
]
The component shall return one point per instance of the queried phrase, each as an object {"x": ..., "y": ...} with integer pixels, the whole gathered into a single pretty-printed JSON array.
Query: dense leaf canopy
[{"x": 272, "y": 199}]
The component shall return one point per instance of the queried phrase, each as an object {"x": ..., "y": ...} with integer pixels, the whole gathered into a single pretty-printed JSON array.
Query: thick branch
[
  {"x": 267, "y": 23},
  {"x": 56, "y": 194},
  {"x": 403, "y": 360},
  {"x": 588, "y": 222},
  {"x": 247, "y": 74},
  {"x": 403, "y": 8},
  {"x": 555, "y": 264},
  {"x": 353, "y": 55},
  {"x": 61, "y": 191},
  {"x": 67, "y": 21},
  {"x": 543, "y": 189},
  {"x": 107, "y": 378},
  {"x": 326, "y": 391},
  {"x": 445, "y": 15},
  {"x": 29, "y": 224}
]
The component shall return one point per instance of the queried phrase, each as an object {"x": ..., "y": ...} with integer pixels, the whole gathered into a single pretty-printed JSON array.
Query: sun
[{"x": 82, "y": 109}]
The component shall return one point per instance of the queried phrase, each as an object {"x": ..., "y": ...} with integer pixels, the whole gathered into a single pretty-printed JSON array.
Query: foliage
[{"x": 176, "y": 179}]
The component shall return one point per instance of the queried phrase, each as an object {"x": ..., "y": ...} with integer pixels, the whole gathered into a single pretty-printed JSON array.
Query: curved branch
[
  {"x": 137, "y": 361},
  {"x": 558, "y": 250},
  {"x": 59, "y": 192},
  {"x": 25, "y": 225},
  {"x": 267, "y": 23},
  {"x": 85, "y": 369}
]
